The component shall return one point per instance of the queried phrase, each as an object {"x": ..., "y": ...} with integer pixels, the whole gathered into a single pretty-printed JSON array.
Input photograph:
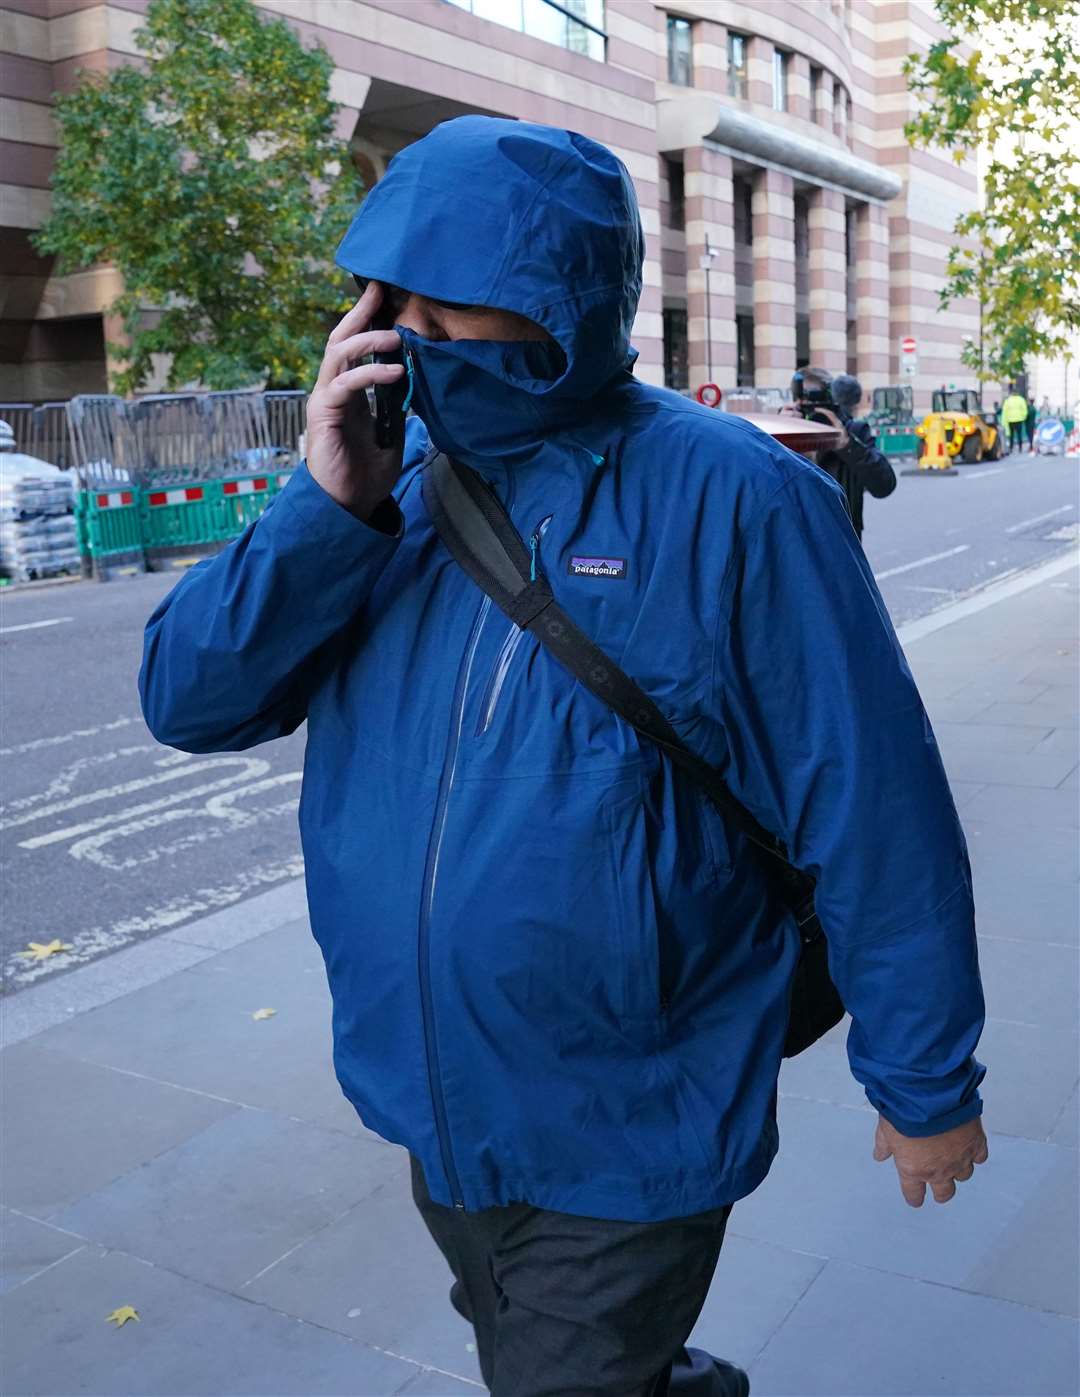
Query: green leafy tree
[
  {"x": 212, "y": 178},
  {"x": 1005, "y": 85}
]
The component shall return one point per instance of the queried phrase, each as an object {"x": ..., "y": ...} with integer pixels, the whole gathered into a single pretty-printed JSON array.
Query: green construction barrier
[
  {"x": 898, "y": 441},
  {"x": 109, "y": 530},
  {"x": 183, "y": 522},
  {"x": 245, "y": 498}
]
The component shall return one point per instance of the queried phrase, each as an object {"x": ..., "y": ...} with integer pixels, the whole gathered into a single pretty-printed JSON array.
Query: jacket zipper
[
  {"x": 509, "y": 647},
  {"x": 427, "y": 899}
]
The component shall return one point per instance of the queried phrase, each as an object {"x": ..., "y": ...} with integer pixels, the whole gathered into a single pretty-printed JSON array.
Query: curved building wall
[{"x": 823, "y": 234}]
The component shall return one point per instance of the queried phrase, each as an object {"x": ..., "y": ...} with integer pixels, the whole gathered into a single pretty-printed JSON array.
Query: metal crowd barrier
[{"x": 164, "y": 479}]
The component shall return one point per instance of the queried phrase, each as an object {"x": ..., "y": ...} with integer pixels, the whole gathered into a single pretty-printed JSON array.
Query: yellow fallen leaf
[
  {"x": 42, "y": 951},
  {"x": 264, "y": 1013},
  {"x": 121, "y": 1316}
]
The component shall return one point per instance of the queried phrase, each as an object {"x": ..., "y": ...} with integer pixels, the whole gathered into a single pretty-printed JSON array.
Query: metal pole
[
  {"x": 708, "y": 321},
  {"x": 708, "y": 300}
]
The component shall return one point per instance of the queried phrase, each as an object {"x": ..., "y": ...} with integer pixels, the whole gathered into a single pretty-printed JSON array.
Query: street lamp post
[{"x": 705, "y": 263}]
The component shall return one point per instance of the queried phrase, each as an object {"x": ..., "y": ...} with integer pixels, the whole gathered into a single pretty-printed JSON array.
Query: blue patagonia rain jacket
[{"x": 557, "y": 977}]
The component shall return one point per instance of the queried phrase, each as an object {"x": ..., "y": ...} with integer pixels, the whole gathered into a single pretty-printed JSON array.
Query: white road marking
[
  {"x": 253, "y": 767},
  {"x": 36, "y": 625},
  {"x": 1039, "y": 518},
  {"x": 941, "y": 591},
  {"x": 981, "y": 475},
  {"x": 922, "y": 562},
  {"x": 100, "y": 940},
  {"x": 38, "y": 742},
  {"x": 220, "y": 812}
]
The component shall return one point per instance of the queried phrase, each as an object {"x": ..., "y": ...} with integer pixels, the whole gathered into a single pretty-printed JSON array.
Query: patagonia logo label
[{"x": 597, "y": 567}]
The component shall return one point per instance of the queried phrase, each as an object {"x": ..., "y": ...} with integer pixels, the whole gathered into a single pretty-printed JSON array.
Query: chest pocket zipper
[{"x": 509, "y": 647}]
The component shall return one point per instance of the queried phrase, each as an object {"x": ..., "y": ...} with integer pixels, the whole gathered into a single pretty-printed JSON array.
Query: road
[
  {"x": 937, "y": 537},
  {"x": 108, "y": 838}
]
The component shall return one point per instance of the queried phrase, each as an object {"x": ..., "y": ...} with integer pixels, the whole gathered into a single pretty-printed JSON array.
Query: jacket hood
[{"x": 519, "y": 217}]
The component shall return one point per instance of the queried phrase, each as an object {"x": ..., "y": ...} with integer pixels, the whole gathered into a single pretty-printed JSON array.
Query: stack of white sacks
[{"x": 37, "y": 520}]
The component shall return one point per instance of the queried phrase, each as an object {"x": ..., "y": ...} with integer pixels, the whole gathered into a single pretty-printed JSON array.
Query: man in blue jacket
[{"x": 558, "y": 977}]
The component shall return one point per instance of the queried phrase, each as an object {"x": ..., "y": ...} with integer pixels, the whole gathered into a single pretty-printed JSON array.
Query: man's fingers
[
  {"x": 348, "y": 352},
  {"x": 962, "y": 1175},
  {"x": 982, "y": 1153},
  {"x": 337, "y": 393},
  {"x": 914, "y": 1190},
  {"x": 882, "y": 1148},
  {"x": 943, "y": 1190},
  {"x": 359, "y": 317}
]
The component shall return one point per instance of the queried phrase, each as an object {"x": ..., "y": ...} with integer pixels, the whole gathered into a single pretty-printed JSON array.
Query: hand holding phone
[{"x": 353, "y": 454}]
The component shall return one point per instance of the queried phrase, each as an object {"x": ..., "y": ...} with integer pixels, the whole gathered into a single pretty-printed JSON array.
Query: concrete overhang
[{"x": 700, "y": 118}]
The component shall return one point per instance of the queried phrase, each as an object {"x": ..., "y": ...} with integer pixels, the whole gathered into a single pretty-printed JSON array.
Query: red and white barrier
[
  {"x": 114, "y": 499},
  {"x": 246, "y": 487},
  {"x": 188, "y": 495}
]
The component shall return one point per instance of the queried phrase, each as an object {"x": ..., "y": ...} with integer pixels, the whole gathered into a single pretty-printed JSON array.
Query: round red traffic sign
[
  {"x": 907, "y": 344},
  {"x": 709, "y": 394}
]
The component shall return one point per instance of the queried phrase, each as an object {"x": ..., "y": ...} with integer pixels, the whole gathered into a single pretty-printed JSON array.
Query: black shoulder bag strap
[{"x": 481, "y": 537}]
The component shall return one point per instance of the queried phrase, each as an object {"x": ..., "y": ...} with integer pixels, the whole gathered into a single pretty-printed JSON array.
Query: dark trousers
[
  {"x": 565, "y": 1306},
  {"x": 1016, "y": 435}
]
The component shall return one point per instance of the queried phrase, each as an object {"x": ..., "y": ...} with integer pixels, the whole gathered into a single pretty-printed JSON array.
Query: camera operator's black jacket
[{"x": 860, "y": 466}]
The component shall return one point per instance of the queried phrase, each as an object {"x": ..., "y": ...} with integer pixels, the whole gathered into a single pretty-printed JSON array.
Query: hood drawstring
[{"x": 412, "y": 381}]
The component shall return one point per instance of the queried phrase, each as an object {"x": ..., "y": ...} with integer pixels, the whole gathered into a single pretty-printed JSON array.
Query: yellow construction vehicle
[{"x": 957, "y": 428}]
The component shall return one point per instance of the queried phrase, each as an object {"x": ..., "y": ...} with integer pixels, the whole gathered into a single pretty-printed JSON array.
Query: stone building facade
[{"x": 787, "y": 219}]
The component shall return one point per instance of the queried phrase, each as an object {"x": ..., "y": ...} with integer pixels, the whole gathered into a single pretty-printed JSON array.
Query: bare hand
[
  {"x": 834, "y": 421},
  {"x": 942, "y": 1161},
  {"x": 341, "y": 451}
]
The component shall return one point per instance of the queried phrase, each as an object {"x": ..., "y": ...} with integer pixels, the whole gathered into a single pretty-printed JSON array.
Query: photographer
[{"x": 856, "y": 464}]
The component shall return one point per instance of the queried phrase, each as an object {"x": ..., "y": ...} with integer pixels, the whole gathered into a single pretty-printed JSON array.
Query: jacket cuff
[
  {"x": 921, "y": 1130},
  {"x": 320, "y": 510}
]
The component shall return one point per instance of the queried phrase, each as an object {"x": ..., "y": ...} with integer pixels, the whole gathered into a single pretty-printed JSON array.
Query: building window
[
  {"x": 850, "y": 118},
  {"x": 815, "y": 91},
  {"x": 736, "y": 64},
  {"x": 676, "y": 350},
  {"x": 680, "y": 65},
  {"x": 742, "y": 212},
  {"x": 840, "y": 112},
  {"x": 676, "y": 184},
  {"x": 577, "y": 25},
  {"x": 744, "y": 351},
  {"x": 780, "y": 62},
  {"x": 802, "y": 339}
]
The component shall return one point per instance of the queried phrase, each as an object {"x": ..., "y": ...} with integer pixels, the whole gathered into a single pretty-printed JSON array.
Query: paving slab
[
  {"x": 822, "y": 1073},
  {"x": 755, "y": 1287},
  {"x": 827, "y": 1196},
  {"x": 72, "y": 1127},
  {"x": 281, "y": 1063},
  {"x": 1047, "y": 769},
  {"x": 376, "y": 1275},
  {"x": 858, "y": 1331},
  {"x": 988, "y": 739},
  {"x": 1030, "y": 982},
  {"x": 1032, "y": 1072},
  {"x": 1013, "y": 806},
  {"x": 28, "y": 1247},
  {"x": 432, "y": 1384},
  {"x": 190, "y": 1340},
  {"x": 1034, "y": 851},
  {"x": 1019, "y": 908},
  {"x": 1036, "y": 1260},
  {"x": 1066, "y": 1129},
  {"x": 234, "y": 1198}
]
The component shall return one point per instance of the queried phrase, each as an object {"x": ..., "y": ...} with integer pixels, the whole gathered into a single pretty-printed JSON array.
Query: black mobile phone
[{"x": 389, "y": 397}]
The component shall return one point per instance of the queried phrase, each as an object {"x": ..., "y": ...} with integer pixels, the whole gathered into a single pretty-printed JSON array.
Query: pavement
[{"x": 168, "y": 1148}]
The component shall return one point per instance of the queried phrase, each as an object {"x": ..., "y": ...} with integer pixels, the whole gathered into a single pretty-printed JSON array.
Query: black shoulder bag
[{"x": 478, "y": 532}]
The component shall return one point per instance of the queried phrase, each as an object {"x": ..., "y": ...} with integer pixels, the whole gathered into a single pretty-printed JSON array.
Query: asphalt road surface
[
  {"x": 108, "y": 838},
  {"x": 938, "y": 537}
]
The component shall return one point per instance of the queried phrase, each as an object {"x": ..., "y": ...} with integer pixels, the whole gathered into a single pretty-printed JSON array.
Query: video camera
[{"x": 810, "y": 396}]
